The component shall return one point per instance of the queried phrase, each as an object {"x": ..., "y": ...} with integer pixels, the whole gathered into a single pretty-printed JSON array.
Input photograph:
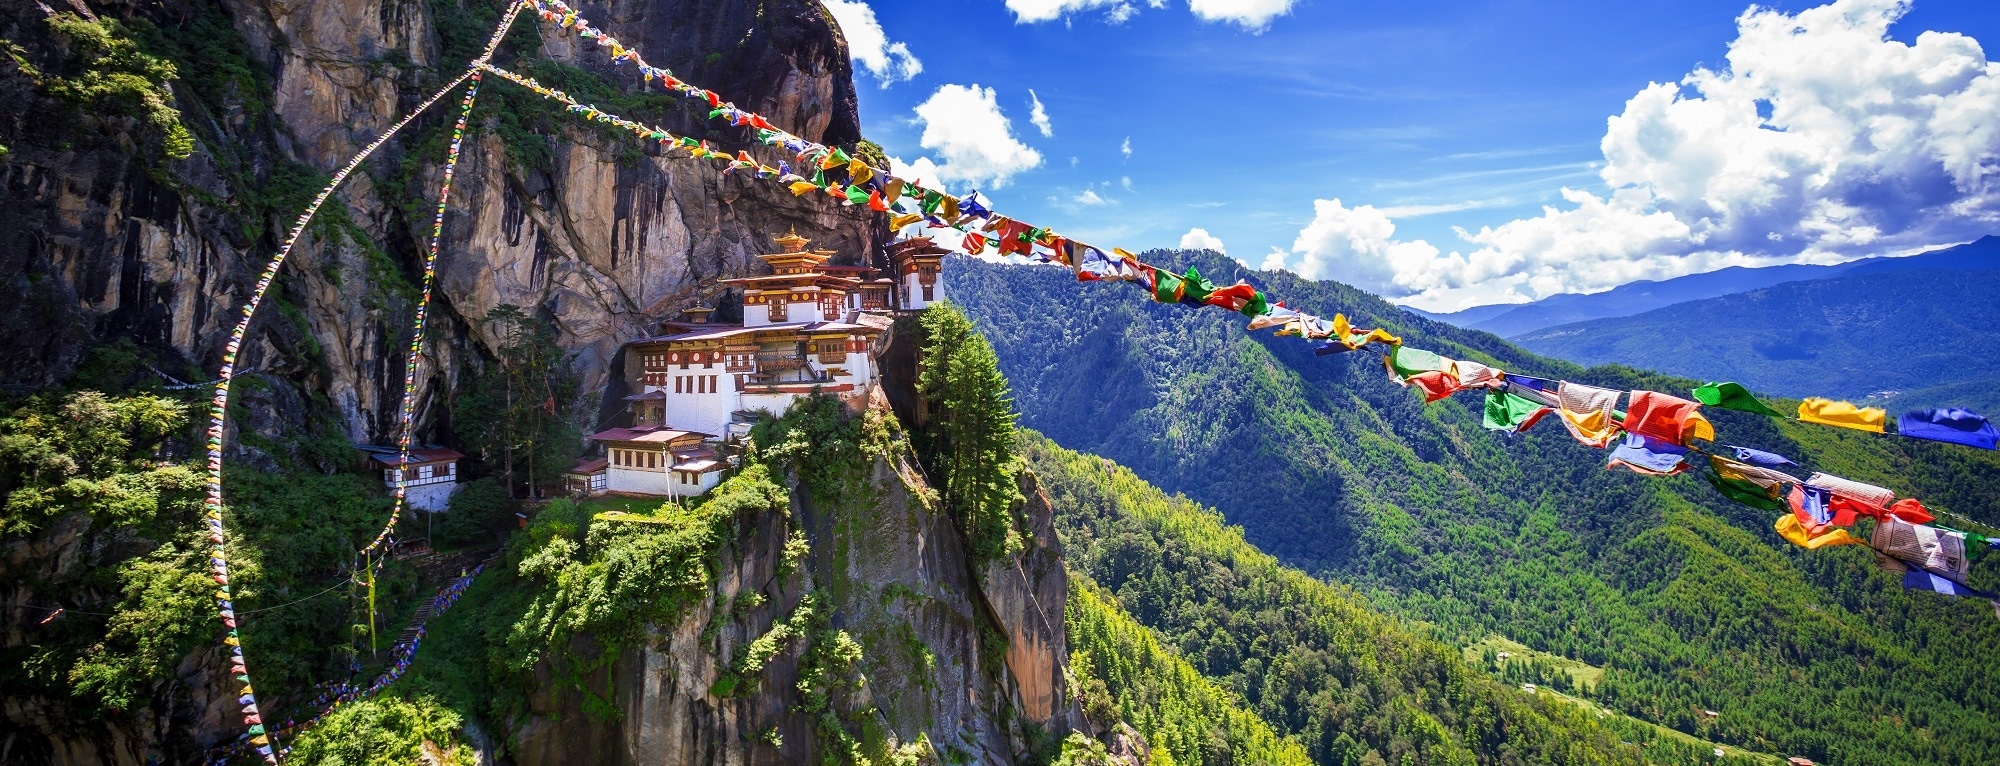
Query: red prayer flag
[
  {"x": 1666, "y": 418},
  {"x": 875, "y": 202},
  {"x": 1233, "y": 297},
  {"x": 1436, "y": 384},
  {"x": 1911, "y": 511}
]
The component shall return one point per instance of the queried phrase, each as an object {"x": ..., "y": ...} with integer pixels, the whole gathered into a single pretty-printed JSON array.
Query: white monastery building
[{"x": 804, "y": 331}]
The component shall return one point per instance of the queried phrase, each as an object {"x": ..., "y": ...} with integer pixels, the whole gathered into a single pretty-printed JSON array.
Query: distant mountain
[
  {"x": 1509, "y": 321},
  {"x": 1877, "y": 334},
  {"x": 1688, "y": 601}
]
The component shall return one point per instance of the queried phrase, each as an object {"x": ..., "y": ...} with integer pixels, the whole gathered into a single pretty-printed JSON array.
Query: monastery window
[{"x": 711, "y": 384}]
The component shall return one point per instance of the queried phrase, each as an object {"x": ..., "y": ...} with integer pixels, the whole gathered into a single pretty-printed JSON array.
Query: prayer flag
[
  {"x": 1870, "y": 496},
  {"x": 1732, "y": 396},
  {"x": 1649, "y": 457},
  {"x": 1586, "y": 412},
  {"x": 1511, "y": 413},
  {"x": 1747, "y": 485},
  {"x": 1667, "y": 418},
  {"x": 1813, "y": 507},
  {"x": 1760, "y": 457},
  {"x": 1790, "y": 529},
  {"x": 1405, "y": 362},
  {"x": 1436, "y": 384},
  {"x": 1939, "y": 551},
  {"x": 1476, "y": 375},
  {"x": 1951, "y": 425},
  {"x": 1842, "y": 414}
]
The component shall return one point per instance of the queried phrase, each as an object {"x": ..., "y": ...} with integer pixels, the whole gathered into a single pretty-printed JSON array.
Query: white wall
[
  {"x": 429, "y": 497},
  {"x": 661, "y": 483},
  {"x": 706, "y": 413}
]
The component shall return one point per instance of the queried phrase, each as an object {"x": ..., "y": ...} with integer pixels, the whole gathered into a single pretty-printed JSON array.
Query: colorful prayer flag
[
  {"x": 1842, "y": 414},
  {"x": 1586, "y": 412},
  {"x": 1513, "y": 414},
  {"x": 1732, "y": 396},
  {"x": 1950, "y": 425}
]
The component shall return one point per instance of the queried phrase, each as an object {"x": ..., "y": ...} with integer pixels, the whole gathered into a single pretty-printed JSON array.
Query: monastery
[{"x": 808, "y": 327}]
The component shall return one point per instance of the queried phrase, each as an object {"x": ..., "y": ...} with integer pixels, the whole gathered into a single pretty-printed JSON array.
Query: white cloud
[
  {"x": 1039, "y": 116},
  {"x": 1250, "y": 14},
  {"x": 964, "y": 127},
  {"x": 1126, "y": 148},
  {"x": 1822, "y": 140},
  {"x": 1125, "y": 181},
  {"x": 1200, "y": 239},
  {"x": 923, "y": 169},
  {"x": 870, "y": 46},
  {"x": 1089, "y": 197}
]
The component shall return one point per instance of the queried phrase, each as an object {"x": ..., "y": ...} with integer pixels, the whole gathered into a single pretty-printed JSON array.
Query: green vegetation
[
  {"x": 385, "y": 731},
  {"x": 1687, "y": 601},
  {"x": 612, "y": 579},
  {"x": 109, "y": 74},
  {"x": 524, "y": 411},
  {"x": 92, "y": 453},
  {"x": 826, "y": 448},
  {"x": 1349, "y": 683},
  {"x": 968, "y": 441},
  {"x": 1123, "y": 673}
]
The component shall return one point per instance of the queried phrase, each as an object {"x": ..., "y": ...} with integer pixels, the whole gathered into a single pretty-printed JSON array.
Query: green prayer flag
[
  {"x": 841, "y": 157},
  {"x": 1257, "y": 306},
  {"x": 932, "y": 199},
  {"x": 718, "y": 112},
  {"x": 1747, "y": 492},
  {"x": 1408, "y": 361},
  {"x": 1196, "y": 289},
  {"x": 819, "y": 178},
  {"x": 857, "y": 195},
  {"x": 1167, "y": 286},
  {"x": 1732, "y": 396},
  {"x": 1506, "y": 412}
]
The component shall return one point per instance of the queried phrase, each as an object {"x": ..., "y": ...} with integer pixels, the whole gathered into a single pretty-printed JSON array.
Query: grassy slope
[{"x": 1689, "y": 601}]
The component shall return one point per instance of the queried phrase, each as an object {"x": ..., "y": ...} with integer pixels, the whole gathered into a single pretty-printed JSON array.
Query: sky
[{"x": 1452, "y": 154}]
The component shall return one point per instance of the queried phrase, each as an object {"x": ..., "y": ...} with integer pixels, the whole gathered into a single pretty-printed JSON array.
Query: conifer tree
[{"x": 970, "y": 429}]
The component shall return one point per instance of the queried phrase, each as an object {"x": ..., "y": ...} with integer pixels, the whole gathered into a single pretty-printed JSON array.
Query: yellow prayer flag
[
  {"x": 1788, "y": 527},
  {"x": 799, "y": 188},
  {"x": 858, "y": 172},
  {"x": 900, "y": 221},
  {"x": 1842, "y": 414}
]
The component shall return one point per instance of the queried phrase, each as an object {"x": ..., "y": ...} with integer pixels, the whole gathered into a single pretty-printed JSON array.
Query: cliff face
[
  {"x": 108, "y": 240},
  {"x": 967, "y": 658}
]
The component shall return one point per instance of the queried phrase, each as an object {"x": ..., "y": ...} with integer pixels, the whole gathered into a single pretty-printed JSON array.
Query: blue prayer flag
[
  {"x": 1760, "y": 457},
  {"x": 1950, "y": 425}
]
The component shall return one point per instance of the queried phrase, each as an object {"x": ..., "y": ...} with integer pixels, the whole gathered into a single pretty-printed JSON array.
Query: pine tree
[{"x": 970, "y": 431}]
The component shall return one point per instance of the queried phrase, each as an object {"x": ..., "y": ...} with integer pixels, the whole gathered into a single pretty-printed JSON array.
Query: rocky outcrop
[{"x": 969, "y": 658}]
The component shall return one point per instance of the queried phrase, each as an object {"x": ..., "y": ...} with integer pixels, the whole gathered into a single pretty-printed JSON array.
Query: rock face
[
  {"x": 108, "y": 241},
  {"x": 958, "y": 655}
]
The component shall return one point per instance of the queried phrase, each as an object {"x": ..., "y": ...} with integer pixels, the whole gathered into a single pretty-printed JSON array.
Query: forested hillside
[
  {"x": 1690, "y": 602},
  {"x": 1309, "y": 657}
]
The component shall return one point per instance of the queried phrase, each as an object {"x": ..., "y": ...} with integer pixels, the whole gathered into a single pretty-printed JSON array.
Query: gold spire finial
[{"x": 792, "y": 242}]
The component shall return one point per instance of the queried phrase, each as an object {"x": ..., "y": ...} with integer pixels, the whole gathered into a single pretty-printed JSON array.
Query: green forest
[{"x": 1688, "y": 601}]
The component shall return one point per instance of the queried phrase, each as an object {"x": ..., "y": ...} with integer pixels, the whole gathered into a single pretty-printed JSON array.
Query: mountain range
[
  {"x": 1688, "y": 602},
  {"x": 1515, "y": 320}
]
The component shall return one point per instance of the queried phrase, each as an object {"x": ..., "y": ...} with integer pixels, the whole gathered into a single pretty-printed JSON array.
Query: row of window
[
  {"x": 632, "y": 458},
  {"x": 422, "y": 472},
  {"x": 694, "y": 384}
]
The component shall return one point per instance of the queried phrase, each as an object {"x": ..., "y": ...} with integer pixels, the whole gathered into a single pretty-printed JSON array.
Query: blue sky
[{"x": 1447, "y": 116}]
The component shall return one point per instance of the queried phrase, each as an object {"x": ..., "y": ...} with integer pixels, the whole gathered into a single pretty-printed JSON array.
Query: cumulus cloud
[
  {"x": 1250, "y": 14},
  {"x": 965, "y": 129},
  {"x": 869, "y": 46},
  {"x": 1126, "y": 148},
  {"x": 1039, "y": 115},
  {"x": 1200, "y": 239},
  {"x": 1822, "y": 140}
]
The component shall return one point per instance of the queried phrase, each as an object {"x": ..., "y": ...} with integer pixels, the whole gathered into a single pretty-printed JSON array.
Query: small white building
[
  {"x": 656, "y": 460},
  {"x": 429, "y": 474},
  {"x": 917, "y": 261},
  {"x": 587, "y": 477}
]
